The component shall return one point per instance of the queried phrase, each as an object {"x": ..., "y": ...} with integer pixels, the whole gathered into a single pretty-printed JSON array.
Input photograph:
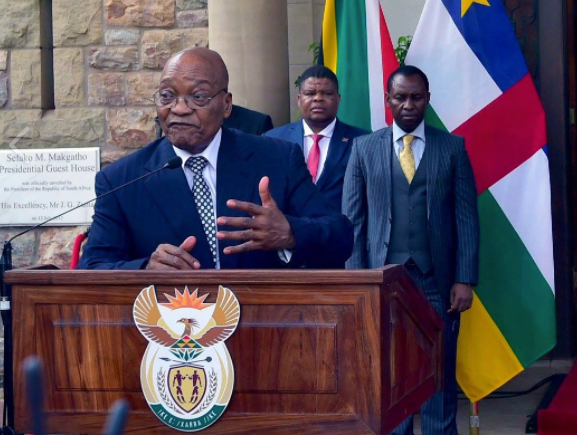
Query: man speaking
[{"x": 239, "y": 201}]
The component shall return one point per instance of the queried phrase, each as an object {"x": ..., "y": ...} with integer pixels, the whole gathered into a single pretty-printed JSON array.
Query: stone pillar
[
  {"x": 252, "y": 38},
  {"x": 305, "y": 22}
]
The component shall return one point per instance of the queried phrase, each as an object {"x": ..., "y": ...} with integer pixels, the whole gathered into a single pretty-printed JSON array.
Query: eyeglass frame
[{"x": 186, "y": 100}]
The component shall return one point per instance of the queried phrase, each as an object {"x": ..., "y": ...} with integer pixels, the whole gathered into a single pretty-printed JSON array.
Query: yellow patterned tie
[{"x": 407, "y": 159}]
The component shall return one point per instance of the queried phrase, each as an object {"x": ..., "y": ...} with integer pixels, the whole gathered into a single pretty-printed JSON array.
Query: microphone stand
[
  {"x": 6, "y": 313},
  {"x": 6, "y": 298}
]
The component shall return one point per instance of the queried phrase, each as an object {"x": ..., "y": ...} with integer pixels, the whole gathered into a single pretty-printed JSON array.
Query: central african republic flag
[{"x": 482, "y": 90}]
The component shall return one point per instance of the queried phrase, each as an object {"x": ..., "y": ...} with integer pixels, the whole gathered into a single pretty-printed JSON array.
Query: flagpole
[{"x": 473, "y": 418}]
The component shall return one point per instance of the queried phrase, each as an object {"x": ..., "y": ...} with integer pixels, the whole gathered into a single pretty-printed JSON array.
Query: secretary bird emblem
[{"x": 186, "y": 373}]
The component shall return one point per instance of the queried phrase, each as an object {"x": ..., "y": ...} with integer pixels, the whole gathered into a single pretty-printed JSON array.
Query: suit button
[
  {"x": 410, "y": 222},
  {"x": 411, "y": 252},
  {"x": 386, "y": 245},
  {"x": 390, "y": 220},
  {"x": 411, "y": 207}
]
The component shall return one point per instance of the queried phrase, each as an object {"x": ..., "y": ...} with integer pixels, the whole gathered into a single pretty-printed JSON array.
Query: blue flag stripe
[{"x": 490, "y": 35}]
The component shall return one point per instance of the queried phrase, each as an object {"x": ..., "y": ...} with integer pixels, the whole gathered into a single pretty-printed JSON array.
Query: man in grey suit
[{"x": 410, "y": 193}]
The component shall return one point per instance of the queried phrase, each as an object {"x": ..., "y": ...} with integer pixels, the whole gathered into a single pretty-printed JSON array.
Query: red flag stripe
[
  {"x": 390, "y": 62},
  {"x": 505, "y": 133}
]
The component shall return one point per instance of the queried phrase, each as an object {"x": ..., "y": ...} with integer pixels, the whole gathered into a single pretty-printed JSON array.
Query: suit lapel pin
[{"x": 345, "y": 139}]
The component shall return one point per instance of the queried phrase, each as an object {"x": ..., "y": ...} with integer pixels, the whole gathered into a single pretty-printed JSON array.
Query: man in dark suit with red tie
[{"x": 325, "y": 141}]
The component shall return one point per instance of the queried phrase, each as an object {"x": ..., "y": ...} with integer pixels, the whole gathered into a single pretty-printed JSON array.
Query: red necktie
[{"x": 314, "y": 157}]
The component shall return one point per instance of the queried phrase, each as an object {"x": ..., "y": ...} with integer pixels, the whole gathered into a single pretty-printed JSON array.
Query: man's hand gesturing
[{"x": 267, "y": 230}]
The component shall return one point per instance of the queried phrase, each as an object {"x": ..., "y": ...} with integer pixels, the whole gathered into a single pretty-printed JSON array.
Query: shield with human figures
[{"x": 187, "y": 385}]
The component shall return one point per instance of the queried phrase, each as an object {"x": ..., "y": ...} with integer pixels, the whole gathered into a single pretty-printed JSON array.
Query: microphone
[
  {"x": 116, "y": 418},
  {"x": 6, "y": 290},
  {"x": 35, "y": 393}
]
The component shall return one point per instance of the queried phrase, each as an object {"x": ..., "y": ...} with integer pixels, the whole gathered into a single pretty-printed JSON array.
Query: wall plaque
[{"x": 36, "y": 185}]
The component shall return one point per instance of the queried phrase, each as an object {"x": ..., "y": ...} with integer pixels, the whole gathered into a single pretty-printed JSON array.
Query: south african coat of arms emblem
[{"x": 186, "y": 373}]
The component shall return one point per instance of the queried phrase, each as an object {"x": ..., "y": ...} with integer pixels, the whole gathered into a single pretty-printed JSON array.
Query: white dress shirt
[
  {"x": 308, "y": 142},
  {"x": 209, "y": 174},
  {"x": 418, "y": 144}
]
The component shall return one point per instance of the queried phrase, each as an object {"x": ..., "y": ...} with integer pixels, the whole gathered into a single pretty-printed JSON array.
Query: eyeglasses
[{"x": 168, "y": 100}]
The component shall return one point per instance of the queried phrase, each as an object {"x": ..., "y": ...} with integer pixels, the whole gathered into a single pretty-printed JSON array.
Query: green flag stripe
[
  {"x": 352, "y": 63},
  {"x": 512, "y": 287},
  {"x": 433, "y": 120},
  {"x": 526, "y": 317}
]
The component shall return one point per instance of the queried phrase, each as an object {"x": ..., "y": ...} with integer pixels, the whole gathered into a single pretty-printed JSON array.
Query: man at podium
[
  {"x": 410, "y": 193},
  {"x": 237, "y": 200}
]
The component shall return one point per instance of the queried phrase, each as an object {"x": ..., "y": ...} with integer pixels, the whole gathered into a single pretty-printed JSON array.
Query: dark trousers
[{"x": 438, "y": 414}]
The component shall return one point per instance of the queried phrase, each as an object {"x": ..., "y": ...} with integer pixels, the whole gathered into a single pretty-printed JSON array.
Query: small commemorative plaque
[{"x": 36, "y": 185}]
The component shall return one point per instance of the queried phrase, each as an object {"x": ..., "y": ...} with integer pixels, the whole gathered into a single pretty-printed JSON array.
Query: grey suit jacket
[{"x": 451, "y": 205}]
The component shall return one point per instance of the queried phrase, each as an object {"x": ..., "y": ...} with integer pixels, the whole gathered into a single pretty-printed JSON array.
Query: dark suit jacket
[
  {"x": 451, "y": 204},
  {"x": 129, "y": 224},
  {"x": 330, "y": 182},
  {"x": 249, "y": 121}
]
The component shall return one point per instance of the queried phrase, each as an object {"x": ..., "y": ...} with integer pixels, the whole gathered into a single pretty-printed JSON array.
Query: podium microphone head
[
  {"x": 116, "y": 418},
  {"x": 34, "y": 391},
  {"x": 175, "y": 162}
]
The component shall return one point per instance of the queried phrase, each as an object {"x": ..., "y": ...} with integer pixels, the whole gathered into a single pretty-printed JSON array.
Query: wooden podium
[{"x": 315, "y": 352}]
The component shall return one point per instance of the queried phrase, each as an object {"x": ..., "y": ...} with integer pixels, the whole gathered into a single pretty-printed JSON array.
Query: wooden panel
[
  {"x": 308, "y": 356},
  {"x": 229, "y": 425},
  {"x": 94, "y": 345},
  {"x": 298, "y": 359},
  {"x": 412, "y": 357},
  {"x": 409, "y": 347},
  {"x": 40, "y": 276}
]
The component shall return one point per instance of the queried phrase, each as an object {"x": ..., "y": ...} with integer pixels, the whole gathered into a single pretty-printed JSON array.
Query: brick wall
[{"x": 108, "y": 55}]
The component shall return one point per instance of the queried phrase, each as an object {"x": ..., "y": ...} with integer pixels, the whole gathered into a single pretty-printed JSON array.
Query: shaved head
[
  {"x": 204, "y": 55},
  {"x": 194, "y": 73}
]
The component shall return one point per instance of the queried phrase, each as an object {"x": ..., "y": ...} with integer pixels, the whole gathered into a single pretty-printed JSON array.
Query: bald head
[
  {"x": 200, "y": 55},
  {"x": 195, "y": 83}
]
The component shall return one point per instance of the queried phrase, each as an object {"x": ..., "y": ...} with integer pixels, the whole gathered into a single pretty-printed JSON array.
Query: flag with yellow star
[{"x": 481, "y": 89}]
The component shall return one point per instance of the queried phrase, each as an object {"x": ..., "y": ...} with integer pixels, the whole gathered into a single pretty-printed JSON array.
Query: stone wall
[
  {"x": 108, "y": 55},
  {"x": 305, "y": 22}
]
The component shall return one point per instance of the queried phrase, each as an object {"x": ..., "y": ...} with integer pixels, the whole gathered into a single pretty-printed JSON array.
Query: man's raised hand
[{"x": 266, "y": 230}]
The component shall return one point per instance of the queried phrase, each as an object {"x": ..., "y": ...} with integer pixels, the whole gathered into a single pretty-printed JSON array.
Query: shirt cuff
[{"x": 285, "y": 255}]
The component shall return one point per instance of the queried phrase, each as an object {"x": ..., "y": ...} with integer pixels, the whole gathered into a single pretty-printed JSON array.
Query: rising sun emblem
[{"x": 186, "y": 373}]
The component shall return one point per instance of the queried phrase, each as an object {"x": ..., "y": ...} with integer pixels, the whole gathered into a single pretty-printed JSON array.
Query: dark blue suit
[
  {"x": 247, "y": 120},
  {"x": 330, "y": 182},
  {"x": 129, "y": 224}
]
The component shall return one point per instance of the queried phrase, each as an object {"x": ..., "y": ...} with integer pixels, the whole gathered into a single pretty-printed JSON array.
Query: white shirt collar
[
  {"x": 419, "y": 132},
  {"x": 210, "y": 153},
  {"x": 327, "y": 132}
]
